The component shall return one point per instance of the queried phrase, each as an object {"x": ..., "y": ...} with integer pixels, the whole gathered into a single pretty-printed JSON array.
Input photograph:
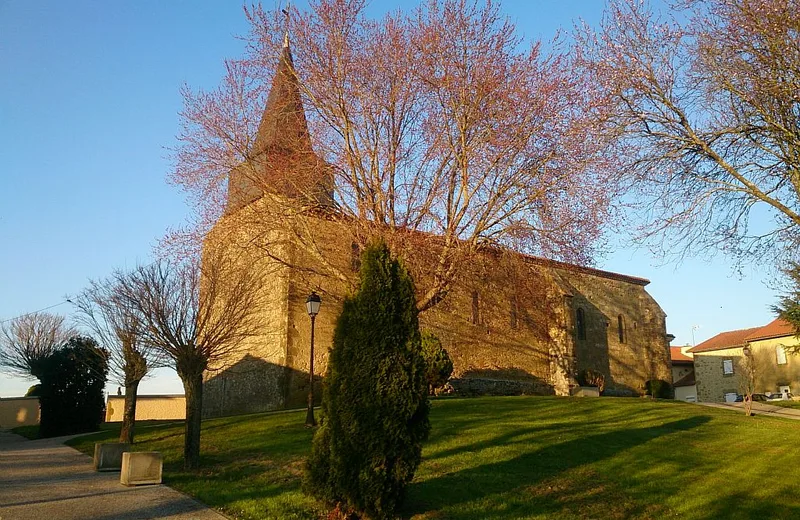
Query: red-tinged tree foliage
[
  {"x": 442, "y": 129},
  {"x": 706, "y": 107}
]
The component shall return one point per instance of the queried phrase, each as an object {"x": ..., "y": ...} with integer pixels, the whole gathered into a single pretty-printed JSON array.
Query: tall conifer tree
[{"x": 375, "y": 407}]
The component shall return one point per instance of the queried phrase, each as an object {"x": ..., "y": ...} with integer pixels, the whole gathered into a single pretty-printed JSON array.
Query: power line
[{"x": 66, "y": 300}]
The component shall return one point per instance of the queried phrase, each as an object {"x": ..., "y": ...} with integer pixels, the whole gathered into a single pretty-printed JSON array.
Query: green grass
[
  {"x": 29, "y": 432},
  {"x": 507, "y": 458},
  {"x": 785, "y": 404}
]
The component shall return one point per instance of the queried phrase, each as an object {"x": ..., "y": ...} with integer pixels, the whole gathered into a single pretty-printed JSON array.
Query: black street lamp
[{"x": 312, "y": 306}]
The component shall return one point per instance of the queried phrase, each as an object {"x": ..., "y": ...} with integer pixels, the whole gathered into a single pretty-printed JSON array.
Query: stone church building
[{"x": 512, "y": 323}]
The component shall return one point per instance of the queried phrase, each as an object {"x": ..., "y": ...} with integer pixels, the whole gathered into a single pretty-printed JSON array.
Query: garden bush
[
  {"x": 375, "y": 406},
  {"x": 438, "y": 365},
  {"x": 658, "y": 388},
  {"x": 71, "y": 391}
]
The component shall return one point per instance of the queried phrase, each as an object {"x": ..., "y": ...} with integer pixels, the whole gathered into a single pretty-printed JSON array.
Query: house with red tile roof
[
  {"x": 683, "y": 380},
  {"x": 718, "y": 362}
]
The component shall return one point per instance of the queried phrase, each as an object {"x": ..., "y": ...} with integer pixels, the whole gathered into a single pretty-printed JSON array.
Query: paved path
[
  {"x": 760, "y": 409},
  {"x": 45, "y": 480}
]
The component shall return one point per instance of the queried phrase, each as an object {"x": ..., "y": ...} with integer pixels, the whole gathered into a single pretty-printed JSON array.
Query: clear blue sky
[{"x": 89, "y": 96}]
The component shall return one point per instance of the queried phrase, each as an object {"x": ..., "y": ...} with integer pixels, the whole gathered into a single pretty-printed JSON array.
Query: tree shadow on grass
[
  {"x": 477, "y": 492},
  {"x": 741, "y": 505}
]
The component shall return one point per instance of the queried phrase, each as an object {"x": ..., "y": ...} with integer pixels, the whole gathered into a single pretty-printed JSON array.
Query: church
[{"x": 512, "y": 323}]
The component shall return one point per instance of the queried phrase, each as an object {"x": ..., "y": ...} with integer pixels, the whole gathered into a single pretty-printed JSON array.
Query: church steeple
[
  {"x": 283, "y": 123},
  {"x": 282, "y": 158}
]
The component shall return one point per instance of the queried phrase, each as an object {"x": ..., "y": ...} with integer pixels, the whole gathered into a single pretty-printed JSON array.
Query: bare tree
[
  {"x": 27, "y": 341},
  {"x": 196, "y": 316},
  {"x": 439, "y": 130},
  {"x": 705, "y": 102},
  {"x": 118, "y": 328},
  {"x": 748, "y": 370}
]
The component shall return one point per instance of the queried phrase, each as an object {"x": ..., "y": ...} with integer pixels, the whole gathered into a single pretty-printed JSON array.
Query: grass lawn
[
  {"x": 785, "y": 404},
  {"x": 29, "y": 432},
  {"x": 504, "y": 458}
]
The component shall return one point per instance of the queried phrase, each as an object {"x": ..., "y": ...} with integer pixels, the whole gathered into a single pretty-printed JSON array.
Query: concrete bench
[
  {"x": 141, "y": 467},
  {"x": 586, "y": 391},
  {"x": 108, "y": 455}
]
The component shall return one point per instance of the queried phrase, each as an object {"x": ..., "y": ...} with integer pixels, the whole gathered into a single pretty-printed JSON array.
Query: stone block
[
  {"x": 141, "y": 467},
  {"x": 586, "y": 391},
  {"x": 108, "y": 455}
]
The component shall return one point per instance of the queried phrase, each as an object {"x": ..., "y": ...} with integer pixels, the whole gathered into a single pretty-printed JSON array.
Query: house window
[
  {"x": 780, "y": 353},
  {"x": 514, "y": 311},
  {"x": 727, "y": 367},
  {"x": 476, "y": 311},
  {"x": 621, "y": 328},
  {"x": 580, "y": 323}
]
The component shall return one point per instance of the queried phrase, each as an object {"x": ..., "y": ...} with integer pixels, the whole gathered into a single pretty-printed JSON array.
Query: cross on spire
[{"x": 286, "y": 13}]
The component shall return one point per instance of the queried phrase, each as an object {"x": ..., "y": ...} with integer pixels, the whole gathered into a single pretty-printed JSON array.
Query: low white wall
[
  {"x": 684, "y": 393},
  {"x": 18, "y": 411},
  {"x": 148, "y": 408}
]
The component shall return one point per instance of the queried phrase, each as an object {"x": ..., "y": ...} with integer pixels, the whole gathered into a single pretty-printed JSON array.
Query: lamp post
[{"x": 312, "y": 306}]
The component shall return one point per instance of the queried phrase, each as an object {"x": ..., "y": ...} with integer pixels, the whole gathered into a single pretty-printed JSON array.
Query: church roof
[{"x": 587, "y": 270}]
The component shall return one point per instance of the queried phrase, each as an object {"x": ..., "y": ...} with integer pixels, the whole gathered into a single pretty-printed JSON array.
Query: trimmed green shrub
[
  {"x": 375, "y": 405},
  {"x": 438, "y": 365},
  {"x": 71, "y": 392},
  {"x": 34, "y": 391},
  {"x": 658, "y": 388}
]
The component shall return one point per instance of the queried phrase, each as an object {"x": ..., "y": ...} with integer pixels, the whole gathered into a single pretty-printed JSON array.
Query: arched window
[
  {"x": 580, "y": 323},
  {"x": 476, "y": 310},
  {"x": 621, "y": 328}
]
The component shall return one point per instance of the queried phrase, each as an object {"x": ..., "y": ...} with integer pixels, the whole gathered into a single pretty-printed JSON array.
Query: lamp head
[{"x": 312, "y": 304}]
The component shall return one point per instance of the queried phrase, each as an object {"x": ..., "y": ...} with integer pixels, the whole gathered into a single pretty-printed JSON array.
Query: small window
[
  {"x": 476, "y": 311},
  {"x": 580, "y": 323},
  {"x": 780, "y": 353},
  {"x": 727, "y": 367},
  {"x": 355, "y": 257},
  {"x": 621, "y": 328},
  {"x": 514, "y": 310}
]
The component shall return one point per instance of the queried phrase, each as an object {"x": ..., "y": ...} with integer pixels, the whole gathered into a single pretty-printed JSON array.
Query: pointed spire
[
  {"x": 283, "y": 160},
  {"x": 283, "y": 124}
]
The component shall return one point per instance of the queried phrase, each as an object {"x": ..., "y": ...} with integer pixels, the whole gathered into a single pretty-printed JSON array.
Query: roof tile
[
  {"x": 775, "y": 329},
  {"x": 677, "y": 356},
  {"x": 723, "y": 340}
]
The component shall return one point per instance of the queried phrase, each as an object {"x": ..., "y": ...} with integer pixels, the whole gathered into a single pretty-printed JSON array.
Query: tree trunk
[
  {"x": 748, "y": 405},
  {"x": 193, "y": 387},
  {"x": 129, "y": 415}
]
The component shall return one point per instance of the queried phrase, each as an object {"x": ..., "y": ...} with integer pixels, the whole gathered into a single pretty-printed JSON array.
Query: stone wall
[
  {"x": 507, "y": 318},
  {"x": 639, "y": 353},
  {"x": 679, "y": 371},
  {"x": 252, "y": 377},
  {"x": 712, "y": 383},
  {"x": 770, "y": 376}
]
